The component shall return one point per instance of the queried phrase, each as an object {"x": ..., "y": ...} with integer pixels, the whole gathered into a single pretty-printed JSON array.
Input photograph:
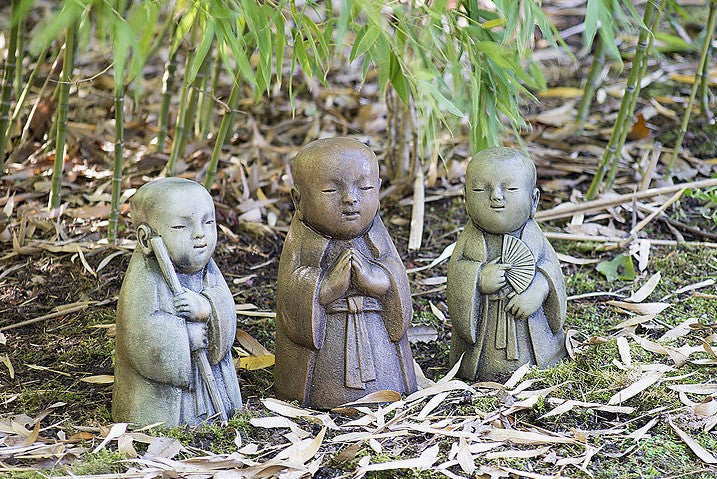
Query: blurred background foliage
[{"x": 441, "y": 66}]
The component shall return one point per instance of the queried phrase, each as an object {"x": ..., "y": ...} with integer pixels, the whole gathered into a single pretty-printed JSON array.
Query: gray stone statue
[
  {"x": 176, "y": 317},
  {"x": 343, "y": 299},
  {"x": 505, "y": 291}
]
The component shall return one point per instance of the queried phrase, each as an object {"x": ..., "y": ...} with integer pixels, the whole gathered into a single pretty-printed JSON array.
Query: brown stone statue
[
  {"x": 343, "y": 299},
  {"x": 505, "y": 291},
  {"x": 176, "y": 317}
]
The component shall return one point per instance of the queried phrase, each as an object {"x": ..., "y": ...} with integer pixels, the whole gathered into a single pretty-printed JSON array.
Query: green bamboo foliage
[
  {"x": 20, "y": 55},
  {"x": 224, "y": 126},
  {"x": 592, "y": 83},
  {"x": 61, "y": 118},
  {"x": 709, "y": 32},
  {"x": 6, "y": 88},
  {"x": 625, "y": 113},
  {"x": 626, "y": 127},
  {"x": 182, "y": 136}
]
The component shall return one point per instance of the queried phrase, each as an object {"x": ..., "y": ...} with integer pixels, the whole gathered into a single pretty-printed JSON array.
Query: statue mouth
[
  {"x": 350, "y": 215},
  {"x": 498, "y": 208},
  {"x": 200, "y": 246}
]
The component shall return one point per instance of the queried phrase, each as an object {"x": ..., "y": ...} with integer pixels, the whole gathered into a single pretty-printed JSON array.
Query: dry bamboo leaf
[
  {"x": 452, "y": 372},
  {"x": 422, "y": 334},
  {"x": 439, "y": 388},
  {"x": 517, "y": 453},
  {"x": 645, "y": 290},
  {"x": 708, "y": 407},
  {"x": 633, "y": 321},
  {"x": 561, "y": 92},
  {"x": 624, "y": 350},
  {"x": 252, "y": 363},
  {"x": 638, "y": 434},
  {"x": 565, "y": 258},
  {"x": 649, "y": 309},
  {"x": 5, "y": 359},
  {"x": 271, "y": 422},
  {"x": 425, "y": 461},
  {"x": 445, "y": 254},
  {"x": 679, "y": 330},
  {"x": 526, "y": 437},
  {"x": 100, "y": 379},
  {"x": 657, "y": 348},
  {"x": 115, "y": 431},
  {"x": 253, "y": 346},
  {"x": 691, "y": 287},
  {"x": 645, "y": 381},
  {"x": 304, "y": 454},
  {"x": 699, "y": 451},
  {"x": 385, "y": 395},
  {"x": 421, "y": 379},
  {"x": 517, "y": 376},
  {"x": 699, "y": 389},
  {"x": 531, "y": 475},
  {"x": 465, "y": 458},
  {"x": 437, "y": 312},
  {"x": 125, "y": 446},
  {"x": 431, "y": 405}
]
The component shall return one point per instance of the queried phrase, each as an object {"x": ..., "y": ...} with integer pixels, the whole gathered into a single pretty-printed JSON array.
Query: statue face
[
  {"x": 500, "y": 195},
  {"x": 187, "y": 226},
  {"x": 339, "y": 198}
]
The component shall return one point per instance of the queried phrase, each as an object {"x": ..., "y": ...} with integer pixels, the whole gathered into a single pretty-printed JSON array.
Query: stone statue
[
  {"x": 343, "y": 299},
  {"x": 505, "y": 291},
  {"x": 176, "y": 317}
]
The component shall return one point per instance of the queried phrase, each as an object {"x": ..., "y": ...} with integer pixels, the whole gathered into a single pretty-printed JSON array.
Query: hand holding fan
[{"x": 517, "y": 254}]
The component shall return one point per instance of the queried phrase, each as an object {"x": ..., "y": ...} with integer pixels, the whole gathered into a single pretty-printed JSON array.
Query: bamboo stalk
[
  {"x": 224, "y": 127},
  {"x": 170, "y": 68},
  {"x": 191, "y": 109},
  {"x": 205, "y": 118},
  {"x": 711, "y": 21},
  {"x": 6, "y": 88},
  {"x": 704, "y": 81},
  {"x": 569, "y": 209},
  {"x": 61, "y": 121},
  {"x": 627, "y": 126},
  {"x": 612, "y": 148},
  {"x": 31, "y": 79},
  {"x": 592, "y": 83},
  {"x": 181, "y": 112},
  {"x": 19, "y": 56},
  {"x": 118, "y": 160}
]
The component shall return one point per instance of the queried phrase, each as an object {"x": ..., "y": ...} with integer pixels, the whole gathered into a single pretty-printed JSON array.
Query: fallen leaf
[
  {"x": 620, "y": 267},
  {"x": 252, "y": 363},
  {"x": 645, "y": 290},
  {"x": 699, "y": 451},
  {"x": 639, "y": 130},
  {"x": 561, "y": 92},
  {"x": 645, "y": 381},
  {"x": 100, "y": 379}
]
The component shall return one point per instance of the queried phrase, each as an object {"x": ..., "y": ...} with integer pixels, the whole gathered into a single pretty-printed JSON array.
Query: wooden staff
[{"x": 200, "y": 355}]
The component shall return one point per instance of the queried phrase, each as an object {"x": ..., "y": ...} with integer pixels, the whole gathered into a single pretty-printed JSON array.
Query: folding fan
[{"x": 516, "y": 253}]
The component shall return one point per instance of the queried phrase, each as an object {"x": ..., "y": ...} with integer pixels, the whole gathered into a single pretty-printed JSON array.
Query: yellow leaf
[
  {"x": 101, "y": 379},
  {"x": 493, "y": 23},
  {"x": 561, "y": 92},
  {"x": 690, "y": 79},
  {"x": 256, "y": 362}
]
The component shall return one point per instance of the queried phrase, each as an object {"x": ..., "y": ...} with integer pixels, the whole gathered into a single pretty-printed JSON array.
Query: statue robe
[
  {"x": 156, "y": 378},
  {"x": 540, "y": 339},
  {"x": 327, "y": 355}
]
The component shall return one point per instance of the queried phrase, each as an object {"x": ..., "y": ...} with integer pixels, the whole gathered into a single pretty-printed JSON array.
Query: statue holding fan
[{"x": 506, "y": 293}]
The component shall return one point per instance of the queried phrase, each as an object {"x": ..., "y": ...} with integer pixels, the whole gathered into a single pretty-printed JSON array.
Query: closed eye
[
  {"x": 178, "y": 227},
  {"x": 513, "y": 188},
  {"x": 329, "y": 190},
  {"x": 480, "y": 190},
  {"x": 209, "y": 222},
  {"x": 366, "y": 188}
]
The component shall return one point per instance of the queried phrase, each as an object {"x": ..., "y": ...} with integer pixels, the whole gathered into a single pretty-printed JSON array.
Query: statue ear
[
  {"x": 536, "y": 198},
  {"x": 144, "y": 233},
  {"x": 295, "y": 197}
]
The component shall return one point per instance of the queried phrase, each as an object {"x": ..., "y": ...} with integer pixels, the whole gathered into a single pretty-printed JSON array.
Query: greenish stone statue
[
  {"x": 176, "y": 318},
  {"x": 506, "y": 293},
  {"x": 343, "y": 299}
]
